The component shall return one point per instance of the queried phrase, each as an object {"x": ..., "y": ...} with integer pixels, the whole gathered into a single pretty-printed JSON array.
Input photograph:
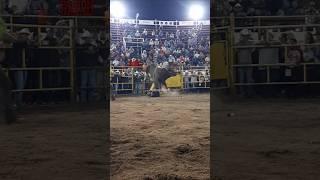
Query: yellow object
[
  {"x": 152, "y": 87},
  {"x": 175, "y": 81},
  {"x": 219, "y": 61}
]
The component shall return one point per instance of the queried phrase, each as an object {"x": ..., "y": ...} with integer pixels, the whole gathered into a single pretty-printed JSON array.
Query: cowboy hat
[
  {"x": 244, "y": 32},
  {"x": 24, "y": 31},
  {"x": 86, "y": 34}
]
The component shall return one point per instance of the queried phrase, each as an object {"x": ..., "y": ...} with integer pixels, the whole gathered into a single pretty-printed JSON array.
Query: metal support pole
[
  {"x": 231, "y": 62},
  {"x": 304, "y": 73},
  {"x": 40, "y": 79},
  {"x": 268, "y": 74},
  {"x": 72, "y": 62}
]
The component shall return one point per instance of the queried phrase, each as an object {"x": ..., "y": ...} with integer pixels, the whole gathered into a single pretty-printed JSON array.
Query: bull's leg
[
  {"x": 164, "y": 88},
  {"x": 152, "y": 87}
]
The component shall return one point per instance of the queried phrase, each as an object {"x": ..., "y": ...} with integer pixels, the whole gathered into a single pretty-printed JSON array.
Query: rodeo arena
[
  {"x": 58, "y": 70},
  {"x": 265, "y": 123}
]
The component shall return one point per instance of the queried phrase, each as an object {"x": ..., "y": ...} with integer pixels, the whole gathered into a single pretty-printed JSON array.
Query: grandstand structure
[{"x": 120, "y": 27}]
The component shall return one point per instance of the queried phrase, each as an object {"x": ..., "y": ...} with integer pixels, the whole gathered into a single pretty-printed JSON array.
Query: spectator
[
  {"x": 87, "y": 59},
  {"x": 145, "y": 33},
  {"x": 20, "y": 56},
  {"x": 137, "y": 35},
  {"x": 309, "y": 52},
  {"x": 144, "y": 55},
  {"x": 151, "y": 43},
  {"x": 138, "y": 79},
  {"x": 17, "y": 7},
  {"x": 34, "y": 7},
  {"x": 245, "y": 57},
  {"x": 156, "y": 42}
]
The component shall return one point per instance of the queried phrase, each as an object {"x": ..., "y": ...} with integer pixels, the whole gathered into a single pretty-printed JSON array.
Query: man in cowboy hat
[
  {"x": 6, "y": 108},
  {"x": 244, "y": 56},
  {"x": 87, "y": 58},
  {"x": 20, "y": 55}
]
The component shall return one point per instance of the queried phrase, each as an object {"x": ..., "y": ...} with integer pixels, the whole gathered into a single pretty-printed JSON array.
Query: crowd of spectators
[
  {"x": 52, "y": 48},
  {"x": 270, "y": 7},
  {"x": 285, "y": 49},
  {"x": 181, "y": 48}
]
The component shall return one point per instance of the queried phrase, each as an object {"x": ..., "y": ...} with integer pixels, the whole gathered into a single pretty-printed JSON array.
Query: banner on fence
[{"x": 76, "y": 8}]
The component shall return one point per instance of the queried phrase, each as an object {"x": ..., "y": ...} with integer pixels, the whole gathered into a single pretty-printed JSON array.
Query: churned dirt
[
  {"x": 266, "y": 139},
  {"x": 165, "y": 138},
  {"x": 55, "y": 143}
]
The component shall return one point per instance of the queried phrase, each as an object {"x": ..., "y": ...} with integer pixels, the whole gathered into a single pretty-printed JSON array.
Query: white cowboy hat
[
  {"x": 238, "y": 5},
  {"x": 24, "y": 31},
  {"x": 86, "y": 34},
  {"x": 244, "y": 32}
]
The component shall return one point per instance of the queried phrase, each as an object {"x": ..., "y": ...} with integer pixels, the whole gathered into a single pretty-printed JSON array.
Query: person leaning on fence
[
  {"x": 138, "y": 80},
  {"x": 17, "y": 57},
  {"x": 244, "y": 57},
  {"x": 293, "y": 72},
  {"x": 87, "y": 60},
  {"x": 6, "y": 108}
]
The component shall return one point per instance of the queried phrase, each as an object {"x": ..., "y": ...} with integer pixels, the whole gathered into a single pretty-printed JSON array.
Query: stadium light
[
  {"x": 117, "y": 9},
  {"x": 196, "y": 12}
]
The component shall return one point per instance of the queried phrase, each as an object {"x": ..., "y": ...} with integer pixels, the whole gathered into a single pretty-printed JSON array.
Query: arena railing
[
  {"x": 42, "y": 70},
  {"x": 79, "y": 22},
  {"x": 305, "y": 27},
  {"x": 188, "y": 84},
  {"x": 230, "y": 26}
]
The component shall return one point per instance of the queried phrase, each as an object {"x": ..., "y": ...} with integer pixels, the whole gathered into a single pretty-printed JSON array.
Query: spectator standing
[
  {"x": 18, "y": 57},
  {"x": 34, "y": 7},
  {"x": 245, "y": 57},
  {"x": 87, "y": 59},
  {"x": 138, "y": 80}
]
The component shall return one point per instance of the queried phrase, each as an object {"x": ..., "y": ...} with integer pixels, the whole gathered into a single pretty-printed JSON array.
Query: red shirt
[{"x": 130, "y": 63}]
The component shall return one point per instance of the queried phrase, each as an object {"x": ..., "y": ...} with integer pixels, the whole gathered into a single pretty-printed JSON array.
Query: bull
[{"x": 158, "y": 76}]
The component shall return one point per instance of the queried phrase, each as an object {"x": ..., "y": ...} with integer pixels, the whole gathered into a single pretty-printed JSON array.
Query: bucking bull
[{"x": 158, "y": 77}]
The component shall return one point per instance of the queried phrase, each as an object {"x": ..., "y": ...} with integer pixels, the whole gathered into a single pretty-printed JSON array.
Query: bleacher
[{"x": 117, "y": 29}]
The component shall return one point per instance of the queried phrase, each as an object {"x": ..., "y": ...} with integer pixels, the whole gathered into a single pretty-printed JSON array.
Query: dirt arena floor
[
  {"x": 60, "y": 143},
  {"x": 266, "y": 139},
  {"x": 165, "y": 138}
]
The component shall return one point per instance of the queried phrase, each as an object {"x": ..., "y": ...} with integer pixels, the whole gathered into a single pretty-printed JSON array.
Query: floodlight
[
  {"x": 117, "y": 9},
  {"x": 196, "y": 12}
]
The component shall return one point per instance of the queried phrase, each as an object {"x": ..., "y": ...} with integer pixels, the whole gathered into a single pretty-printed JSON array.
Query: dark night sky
[{"x": 163, "y": 9}]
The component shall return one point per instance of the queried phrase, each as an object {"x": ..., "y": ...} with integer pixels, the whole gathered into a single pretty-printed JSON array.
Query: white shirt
[
  {"x": 145, "y": 32},
  {"x": 116, "y": 62},
  {"x": 156, "y": 42}
]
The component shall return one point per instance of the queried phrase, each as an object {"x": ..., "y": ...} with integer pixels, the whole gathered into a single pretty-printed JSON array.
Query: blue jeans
[
  {"x": 137, "y": 88},
  {"x": 20, "y": 78},
  {"x": 88, "y": 85}
]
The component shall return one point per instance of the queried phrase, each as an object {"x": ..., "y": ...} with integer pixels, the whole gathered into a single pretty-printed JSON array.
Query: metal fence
[
  {"x": 123, "y": 80},
  {"x": 261, "y": 29}
]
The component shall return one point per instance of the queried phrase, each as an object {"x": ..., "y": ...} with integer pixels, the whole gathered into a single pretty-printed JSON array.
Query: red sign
[{"x": 76, "y": 7}]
